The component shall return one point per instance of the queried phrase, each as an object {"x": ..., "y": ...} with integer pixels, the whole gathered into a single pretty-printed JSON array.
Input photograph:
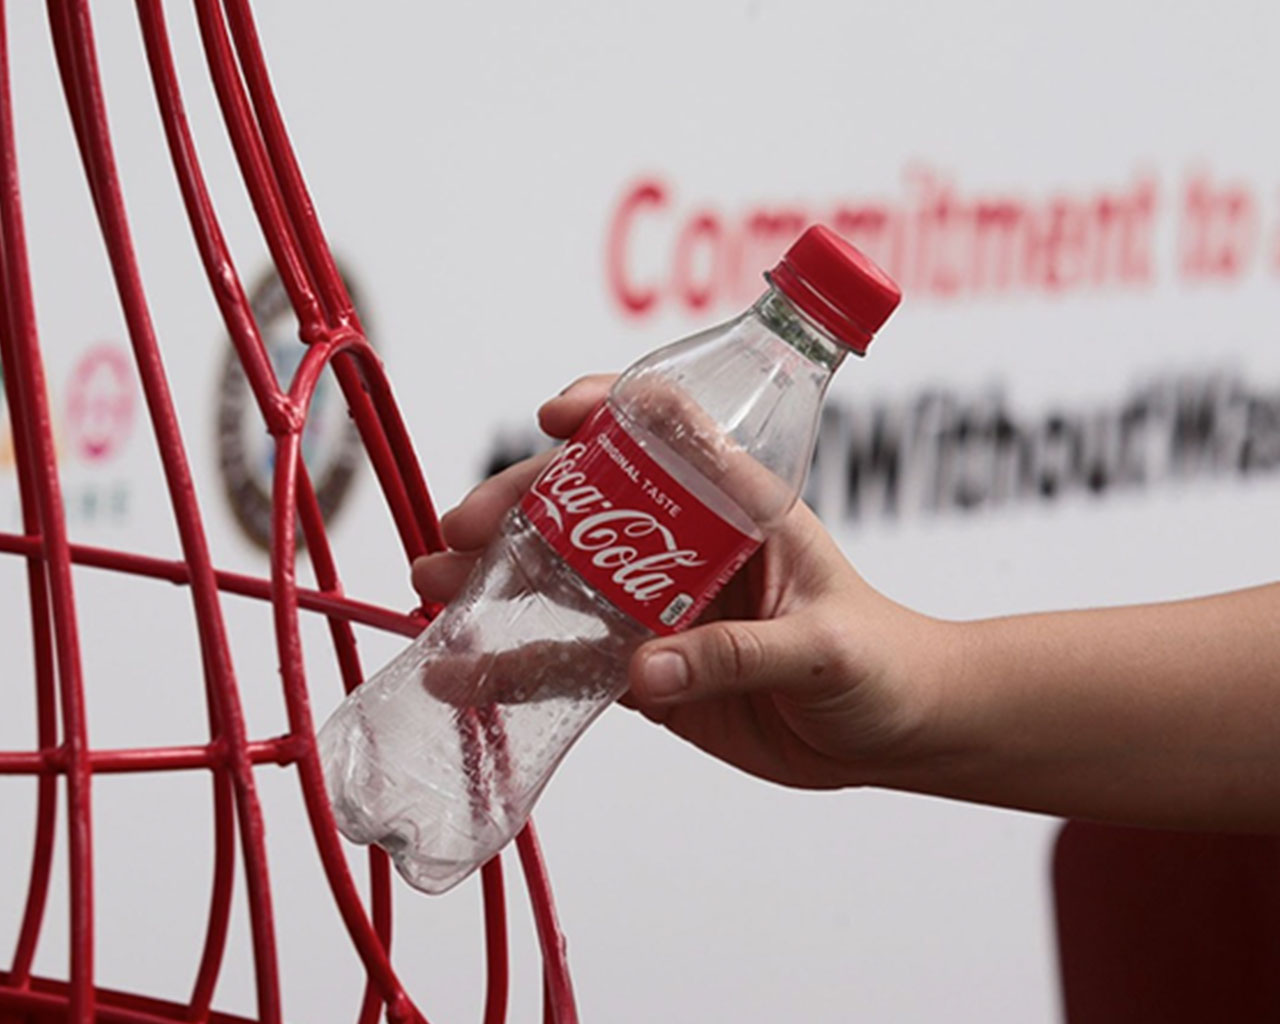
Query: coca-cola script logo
[
  {"x": 630, "y": 529},
  {"x": 620, "y": 541}
]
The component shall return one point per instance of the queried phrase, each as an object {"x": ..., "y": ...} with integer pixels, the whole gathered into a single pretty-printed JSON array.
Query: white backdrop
[{"x": 1084, "y": 209}]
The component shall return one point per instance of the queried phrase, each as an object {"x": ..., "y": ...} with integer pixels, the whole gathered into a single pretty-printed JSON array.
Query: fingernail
[{"x": 666, "y": 674}]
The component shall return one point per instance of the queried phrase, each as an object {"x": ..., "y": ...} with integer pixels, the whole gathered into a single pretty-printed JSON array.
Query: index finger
[{"x": 562, "y": 415}]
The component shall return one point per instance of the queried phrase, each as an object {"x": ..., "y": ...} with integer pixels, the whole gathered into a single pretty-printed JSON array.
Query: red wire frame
[{"x": 330, "y": 327}]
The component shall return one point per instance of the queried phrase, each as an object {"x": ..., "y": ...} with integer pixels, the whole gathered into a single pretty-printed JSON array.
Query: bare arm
[
  {"x": 1164, "y": 714},
  {"x": 803, "y": 674}
]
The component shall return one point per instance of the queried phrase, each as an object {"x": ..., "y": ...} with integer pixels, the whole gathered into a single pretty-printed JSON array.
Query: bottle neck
[{"x": 781, "y": 316}]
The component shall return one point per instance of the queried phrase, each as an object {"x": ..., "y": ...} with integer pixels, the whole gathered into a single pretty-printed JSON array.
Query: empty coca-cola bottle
[{"x": 699, "y": 451}]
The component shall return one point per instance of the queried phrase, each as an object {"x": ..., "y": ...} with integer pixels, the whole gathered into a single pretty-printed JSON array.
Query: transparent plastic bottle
[{"x": 700, "y": 450}]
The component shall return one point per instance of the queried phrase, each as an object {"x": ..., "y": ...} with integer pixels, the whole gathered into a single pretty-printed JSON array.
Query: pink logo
[{"x": 100, "y": 403}]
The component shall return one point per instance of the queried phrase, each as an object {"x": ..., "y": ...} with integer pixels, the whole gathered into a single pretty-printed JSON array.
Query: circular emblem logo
[
  {"x": 331, "y": 445},
  {"x": 100, "y": 403}
]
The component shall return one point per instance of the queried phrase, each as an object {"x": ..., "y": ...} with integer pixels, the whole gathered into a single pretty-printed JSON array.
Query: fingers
[
  {"x": 438, "y": 577},
  {"x": 562, "y": 415},
  {"x": 470, "y": 526},
  {"x": 728, "y": 657}
]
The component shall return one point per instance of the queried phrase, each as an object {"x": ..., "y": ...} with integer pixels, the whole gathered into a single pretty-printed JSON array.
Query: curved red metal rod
[
  {"x": 23, "y": 356},
  {"x": 560, "y": 993},
  {"x": 77, "y": 60},
  {"x": 238, "y": 318},
  {"x": 233, "y": 303},
  {"x": 497, "y": 982},
  {"x": 269, "y": 207},
  {"x": 302, "y": 215},
  {"x": 224, "y": 851},
  {"x": 389, "y": 448},
  {"x": 283, "y": 248},
  {"x": 559, "y": 986},
  {"x": 256, "y": 587},
  {"x": 45, "y": 1004},
  {"x": 281, "y": 750},
  {"x": 314, "y": 246},
  {"x": 470, "y": 737},
  {"x": 46, "y": 698},
  {"x": 228, "y": 291},
  {"x": 47, "y": 787},
  {"x": 316, "y": 252},
  {"x": 319, "y": 259},
  {"x": 400, "y": 1010},
  {"x": 386, "y": 424},
  {"x": 48, "y": 1001}
]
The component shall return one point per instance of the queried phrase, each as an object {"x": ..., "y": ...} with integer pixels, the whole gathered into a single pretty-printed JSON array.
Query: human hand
[{"x": 798, "y": 672}]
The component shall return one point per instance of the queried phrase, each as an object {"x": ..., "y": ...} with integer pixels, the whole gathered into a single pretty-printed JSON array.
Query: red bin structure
[{"x": 63, "y": 763}]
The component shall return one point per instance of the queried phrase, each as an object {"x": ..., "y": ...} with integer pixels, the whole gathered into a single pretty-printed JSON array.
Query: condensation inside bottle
[{"x": 441, "y": 755}]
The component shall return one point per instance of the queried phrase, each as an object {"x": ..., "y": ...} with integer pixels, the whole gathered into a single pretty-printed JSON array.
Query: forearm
[{"x": 1159, "y": 714}]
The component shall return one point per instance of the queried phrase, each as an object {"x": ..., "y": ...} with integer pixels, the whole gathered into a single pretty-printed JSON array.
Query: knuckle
[
  {"x": 739, "y": 651},
  {"x": 829, "y": 644},
  {"x": 588, "y": 380}
]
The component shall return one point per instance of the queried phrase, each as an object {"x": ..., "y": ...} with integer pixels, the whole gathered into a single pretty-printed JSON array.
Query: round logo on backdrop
[
  {"x": 92, "y": 414},
  {"x": 100, "y": 403},
  {"x": 331, "y": 445}
]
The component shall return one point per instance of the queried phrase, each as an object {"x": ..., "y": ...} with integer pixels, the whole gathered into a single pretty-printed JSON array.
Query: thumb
[{"x": 726, "y": 657}]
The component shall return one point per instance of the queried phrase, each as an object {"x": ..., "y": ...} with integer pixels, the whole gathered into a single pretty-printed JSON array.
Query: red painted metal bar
[
  {"x": 73, "y": 38},
  {"x": 23, "y": 354},
  {"x": 169, "y": 570},
  {"x": 281, "y": 750},
  {"x": 51, "y": 997},
  {"x": 47, "y": 1003},
  {"x": 321, "y": 262},
  {"x": 316, "y": 249},
  {"x": 281, "y": 152},
  {"x": 420, "y": 511},
  {"x": 234, "y": 305},
  {"x": 400, "y": 1009},
  {"x": 495, "y": 909},
  {"x": 380, "y": 904},
  {"x": 269, "y": 207},
  {"x": 224, "y": 282},
  {"x": 301, "y": 211},
  {"x": 43, "y": 659},
  {"x": 331, "y": 326},
  {"x": 554, "y": 952},
  {"x": 319, "y": 259},
  {"x": 38, "y": 601},
  {"x": 218, "y": 922},
  {"x": 271, "y": 401},
  {"x": 497, "y": 981},
  {"x": 284, "y": 252}
]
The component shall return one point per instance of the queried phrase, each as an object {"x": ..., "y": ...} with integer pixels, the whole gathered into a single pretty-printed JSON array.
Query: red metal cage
[{"x": 63, "y": 760}]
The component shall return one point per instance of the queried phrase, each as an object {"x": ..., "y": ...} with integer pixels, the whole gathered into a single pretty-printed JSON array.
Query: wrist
[{"x": 935, "y": 711}]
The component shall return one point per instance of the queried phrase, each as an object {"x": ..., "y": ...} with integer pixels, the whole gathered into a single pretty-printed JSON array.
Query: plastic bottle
[{"x": 700, "y": 450}]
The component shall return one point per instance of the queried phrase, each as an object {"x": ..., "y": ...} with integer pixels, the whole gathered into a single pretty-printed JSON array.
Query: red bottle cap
[{"x": 836, "y": 285}]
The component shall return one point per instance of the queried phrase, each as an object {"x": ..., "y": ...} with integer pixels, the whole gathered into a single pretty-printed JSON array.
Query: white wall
[{"x": 469, "y": 162}]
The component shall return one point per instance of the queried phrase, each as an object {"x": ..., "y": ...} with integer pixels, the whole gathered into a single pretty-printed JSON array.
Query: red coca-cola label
[{"x": 631, "y": 530}]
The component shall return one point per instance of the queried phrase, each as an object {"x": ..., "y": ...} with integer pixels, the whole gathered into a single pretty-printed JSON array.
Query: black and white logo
[{"x": 331, "y": 445}]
